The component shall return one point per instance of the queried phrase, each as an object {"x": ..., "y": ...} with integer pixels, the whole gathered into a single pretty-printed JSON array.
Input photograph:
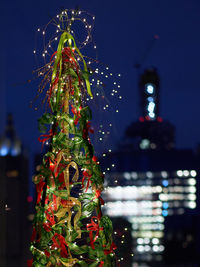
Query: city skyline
[{"x": 174, "y": 53}]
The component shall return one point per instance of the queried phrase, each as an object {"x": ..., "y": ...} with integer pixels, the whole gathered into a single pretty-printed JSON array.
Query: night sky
[{"x": 123, "y": 33}]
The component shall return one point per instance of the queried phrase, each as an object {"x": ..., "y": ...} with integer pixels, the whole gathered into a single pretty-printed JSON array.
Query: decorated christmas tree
[{"x": 69, "y": 228}]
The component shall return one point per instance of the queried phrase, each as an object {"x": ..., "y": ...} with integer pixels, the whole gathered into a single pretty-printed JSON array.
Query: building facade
[
  {"x": 151, "y": 183},
  {"x": 13, "y": 199}
]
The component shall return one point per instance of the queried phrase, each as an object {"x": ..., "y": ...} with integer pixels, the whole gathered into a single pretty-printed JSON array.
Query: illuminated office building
[
  {"x": 146, "y": 199},
  {"x": 150, "y": 131},
  {"x": 148, "y": 180}
]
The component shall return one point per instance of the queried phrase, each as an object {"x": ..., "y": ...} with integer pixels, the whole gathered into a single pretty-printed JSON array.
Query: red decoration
[
  {"x": 33, "y": 236},
  {"x": 39, "y": 188},
  {"x": 91, "y": 228},
  {"x": 86, "y": 175},
  {"x": 159, "y": 119},
  {"x": 94, "y": 158},
  {"x": 141, "y": 119},
  {"x": 47, "y": 253},
  {"x": 62, "y": 244},
  {"x": 98, "y": 195},
  {"x": 77, "y": 113},
  {"x": 112, "y": 248},
  {"x": 30, "y": 263},
  {"x": 45, "y": 137},
  {"x": 87, "y": 129}
]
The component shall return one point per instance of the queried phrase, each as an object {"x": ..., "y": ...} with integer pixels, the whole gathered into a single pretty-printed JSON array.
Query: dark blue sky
[{"x": 123, "y": 32}]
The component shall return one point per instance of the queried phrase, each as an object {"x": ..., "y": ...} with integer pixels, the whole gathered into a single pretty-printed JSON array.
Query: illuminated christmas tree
[{"x": 69, "y": 228}]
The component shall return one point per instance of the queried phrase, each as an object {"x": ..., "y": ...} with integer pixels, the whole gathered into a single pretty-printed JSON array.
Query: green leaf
[
  {"x": 47, "y": 118},
  {"x": 86, "y": 113}
]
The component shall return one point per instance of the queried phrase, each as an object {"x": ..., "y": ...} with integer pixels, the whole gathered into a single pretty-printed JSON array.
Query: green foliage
[
  {"x": 46, "y": 119},
  {"x": 62, "y": 210}
]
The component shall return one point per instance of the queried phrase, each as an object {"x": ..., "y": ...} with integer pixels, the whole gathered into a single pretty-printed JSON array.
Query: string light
[{"x": 107, "y": 75}]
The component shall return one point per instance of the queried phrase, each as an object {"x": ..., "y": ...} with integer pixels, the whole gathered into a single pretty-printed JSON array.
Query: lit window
[
  {"x": 179, "y": 173},
  {"x": 140, "y": 248},
  {"x": 192, "y": 205},
  {"x": 151, "y": 107},
  {"x": 186, "y": 173},
  {"x": 164, "y": 174},
  {"x": 140, "y": 241},
  {"x": 191, "y": 181},
  {"x": 151, "y": 115},
  {"x": 13, "y": 173},
  {"x": 4, "y": 151},
  {"x": 127, "y": 175},
  {"x": 150, "y": 99},
  {"x": 193, "y": 173},
  {"x": 144, "y": 144},
  {"x": 165, "y": 183},
  {"x": 164, "y": 213},
  {"x": 149, "y": 174},
  {"x": 155, "y": 241},
  {"x": 165, "y": 205},
  {"x": 150, "y": 88},
  {"x": 134, "y": 175}
]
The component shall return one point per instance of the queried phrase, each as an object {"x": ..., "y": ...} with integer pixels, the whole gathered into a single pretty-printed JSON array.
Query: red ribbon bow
[
  {"x": 112, "y": 248},
  {"x": 86, "y": 175},
  {"x": 77, "y": 113},
  {"x": 62, "y": 244},
  {"x": 39, "y": 188},
  {"x": 44, "y": 137},
  {"x": 87, "y": 129},
  {"x": 98, "y": 195},
  {"x": 93, "y": 227}
]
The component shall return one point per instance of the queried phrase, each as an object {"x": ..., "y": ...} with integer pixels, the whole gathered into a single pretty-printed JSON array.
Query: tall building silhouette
[
  {"x": 151, "y": 131},
  {"x": 151, "y": 183},
  {"x": 13, "y": 198}
]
